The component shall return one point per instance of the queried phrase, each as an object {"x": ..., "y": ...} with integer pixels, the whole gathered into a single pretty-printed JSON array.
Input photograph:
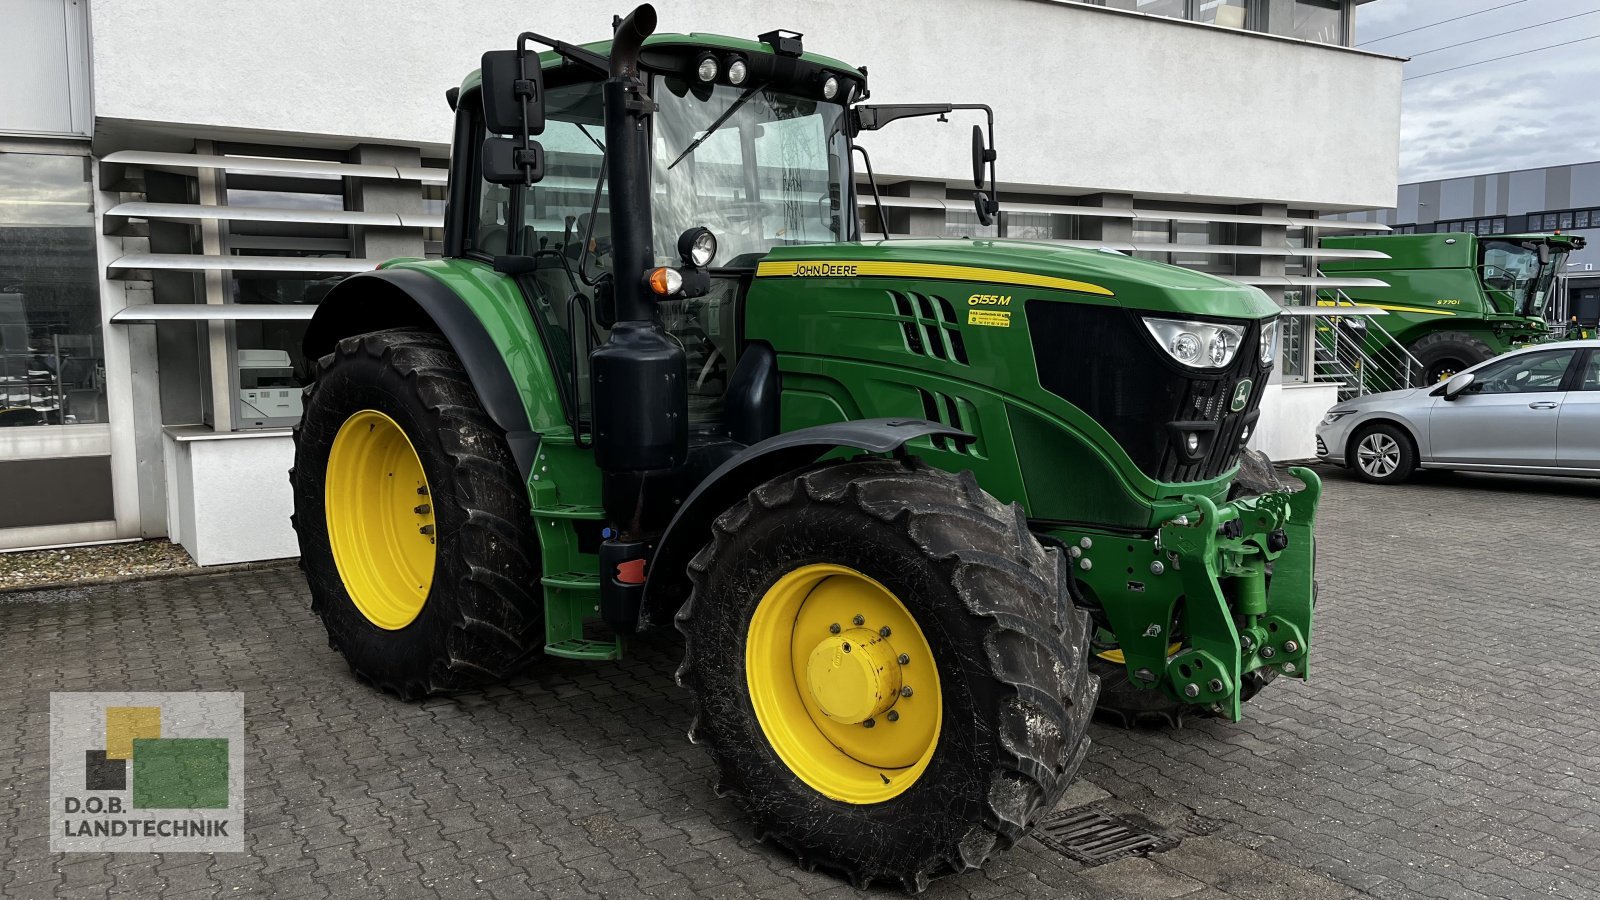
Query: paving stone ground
[{"x": 1447, "y": 746}]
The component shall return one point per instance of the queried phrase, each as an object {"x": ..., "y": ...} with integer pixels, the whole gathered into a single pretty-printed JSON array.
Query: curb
[{"x": 187, "y": 572}]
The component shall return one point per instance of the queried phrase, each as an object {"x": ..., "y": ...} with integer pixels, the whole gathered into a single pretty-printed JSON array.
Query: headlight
[
  {"x": 697, "y": 246},
  {"x": 1199, "y": 345},
  {"x": 830, "y": 88},
  {"x": 1269, "y": 342},
  {"x": 1335, "y": 415},
  {"x": 737, "y": 71}
]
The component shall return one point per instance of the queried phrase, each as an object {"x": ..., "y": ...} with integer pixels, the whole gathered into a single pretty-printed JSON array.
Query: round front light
[
  {"x": 737, "y": 72},
  {"x": 1218, "y": 350},
  {"x": 704, "y": 249},
  {"x": 707, "y": 70},
  {"x": 1192, "y": 442},
  {"x": 1186, "y": 347},
  {"x": 830, "y": 88}
]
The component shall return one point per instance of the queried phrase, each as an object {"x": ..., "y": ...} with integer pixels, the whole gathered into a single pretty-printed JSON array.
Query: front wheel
[
  {"x": 889, "y": 670},
  {"x": 1382, "y": 454}
]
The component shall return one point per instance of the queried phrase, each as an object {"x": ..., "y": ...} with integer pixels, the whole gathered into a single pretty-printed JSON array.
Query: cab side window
[{"x": 1530, "y": 373}]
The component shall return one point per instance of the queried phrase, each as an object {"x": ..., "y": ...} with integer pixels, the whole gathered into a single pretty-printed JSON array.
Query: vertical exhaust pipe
[{"x": 638, "y": 379}]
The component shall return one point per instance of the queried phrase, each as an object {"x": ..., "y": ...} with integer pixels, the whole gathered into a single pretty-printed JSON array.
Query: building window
[
  {"x": 1580, "y": 219},
  {"x": 960, "y": 223},
  {"x": 1311, "y": 20},
  {"x": 52, "y": 363},
  {"x": 268, "y": 368}
]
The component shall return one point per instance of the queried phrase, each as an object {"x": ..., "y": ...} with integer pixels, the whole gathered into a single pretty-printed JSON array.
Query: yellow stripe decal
[
  {"x": 849, "y": 268},
  {"x": 1391, "y": 308}
]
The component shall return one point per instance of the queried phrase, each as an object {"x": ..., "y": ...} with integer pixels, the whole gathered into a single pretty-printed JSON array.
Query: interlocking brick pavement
[{"x": 1445, "y": 748}]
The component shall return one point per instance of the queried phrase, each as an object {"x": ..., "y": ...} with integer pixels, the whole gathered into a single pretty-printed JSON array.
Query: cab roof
[{"x": 551, "y": 59}]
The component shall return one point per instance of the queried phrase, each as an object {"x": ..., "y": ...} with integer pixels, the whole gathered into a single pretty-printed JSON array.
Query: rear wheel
[
  {"x": 414, "y": 528},
  {"x": 889, "y": 670},
  {"x": 1446, "y": 353}
]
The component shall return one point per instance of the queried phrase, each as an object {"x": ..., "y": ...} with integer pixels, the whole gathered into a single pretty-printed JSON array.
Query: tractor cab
[{"x": 1517, "y": 270}]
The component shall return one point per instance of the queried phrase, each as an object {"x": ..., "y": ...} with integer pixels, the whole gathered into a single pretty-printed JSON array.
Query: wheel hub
[
  {"x": 858, "y": 725},
  {"x": 380, "y": 519},
  {"x": 853, "y": 676}
]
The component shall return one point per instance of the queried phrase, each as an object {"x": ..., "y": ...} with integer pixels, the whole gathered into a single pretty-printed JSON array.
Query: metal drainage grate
[{"x": 1093, "y": 837}]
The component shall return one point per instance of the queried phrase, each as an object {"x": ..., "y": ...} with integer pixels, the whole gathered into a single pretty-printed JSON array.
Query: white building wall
[{"x": 1085, "y": 97}]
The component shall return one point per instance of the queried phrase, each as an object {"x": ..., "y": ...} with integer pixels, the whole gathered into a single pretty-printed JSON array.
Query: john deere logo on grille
[
  {"x": 146, "y": 772},
  {"x": 1241, "y": 395}
]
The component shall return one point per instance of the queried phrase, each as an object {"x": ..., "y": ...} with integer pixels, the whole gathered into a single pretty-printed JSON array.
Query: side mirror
[
  {"x": 983, "y": 155},
  {"x": 506, "y": 161},
  {"x": 1544, "y": 254},
  {"x": 513, "y": 92},
  {"x": 513, "y": 104},
  {"x": 1457, "y": 384}
]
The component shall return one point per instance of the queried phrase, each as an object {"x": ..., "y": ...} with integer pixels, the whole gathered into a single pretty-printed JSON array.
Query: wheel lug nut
[
  {"x": 894, "y": 715},
  {"x": 859, "y": 620},
  {"x": 423, "y": 509},
  {"x": 1290, "y": 646},
  {"x": 834, "y": 628},
  {"x": 426, "y": 529},
  {"x": 1268, "y": 653},
  {"x": 905, "y": 691},
  {"x": 868, "y": 723},
  {"x": 903, "y": 659},
  {"x": 1216, "y": 685},
  {"x": 884, "y": 631},
  {"x": 1191, "y": 690},
  {"x": 423, "y": 490}
]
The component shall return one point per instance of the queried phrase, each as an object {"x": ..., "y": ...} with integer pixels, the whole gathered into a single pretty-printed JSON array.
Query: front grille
[{"x": 1102, "y": 360}]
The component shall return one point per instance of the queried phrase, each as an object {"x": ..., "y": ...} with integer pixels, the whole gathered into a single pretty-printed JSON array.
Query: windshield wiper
[{"x": 732, "y": 108}]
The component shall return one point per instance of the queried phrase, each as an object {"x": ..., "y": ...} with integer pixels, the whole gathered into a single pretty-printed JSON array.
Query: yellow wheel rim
[
  {"x": 843, "y": 683},
  {"x": 380, "y": 519}
]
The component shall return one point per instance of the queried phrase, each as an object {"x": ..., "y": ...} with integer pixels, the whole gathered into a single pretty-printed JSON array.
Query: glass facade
[
  {"x": 52, "y": 361},
  {"x": 1322, "y": 21}
]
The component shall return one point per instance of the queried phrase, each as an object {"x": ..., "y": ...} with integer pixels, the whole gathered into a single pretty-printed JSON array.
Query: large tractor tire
[
  {"x": 414, "y": 528},
  {"x": 889, "y": 669},
  {"x": 1444, "y": 353}
]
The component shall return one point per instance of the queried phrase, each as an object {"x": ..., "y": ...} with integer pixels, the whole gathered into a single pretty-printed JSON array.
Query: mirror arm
[
  {"x": 877, "y": 199},
  {"x": 586, "y": 58}
]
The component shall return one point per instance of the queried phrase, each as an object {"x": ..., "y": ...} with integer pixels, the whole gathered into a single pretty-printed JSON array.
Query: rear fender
[
  {"x": 406, "y": 298},
  {"x": 667, "y": 584}
]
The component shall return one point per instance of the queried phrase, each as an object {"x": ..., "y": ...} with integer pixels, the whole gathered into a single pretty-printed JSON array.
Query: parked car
[{"x": 1533, "y": 411}]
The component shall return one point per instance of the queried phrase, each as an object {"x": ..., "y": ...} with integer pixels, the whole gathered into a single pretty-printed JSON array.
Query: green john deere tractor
[
  {"x": 903, "y": 499},
  {"x": 1453, "y": 299}
]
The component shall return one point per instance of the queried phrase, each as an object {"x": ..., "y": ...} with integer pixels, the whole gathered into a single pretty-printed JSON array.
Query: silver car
[{"x": 1533, "y": 411}]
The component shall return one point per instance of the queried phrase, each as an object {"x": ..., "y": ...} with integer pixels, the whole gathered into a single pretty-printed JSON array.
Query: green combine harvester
[
  {"x": 1454, "y": 299},
  {"x": 905, "y": 500}
]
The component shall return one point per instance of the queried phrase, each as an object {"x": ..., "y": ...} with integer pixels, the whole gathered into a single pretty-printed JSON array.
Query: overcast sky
[{"x": 1536, "y": 109}]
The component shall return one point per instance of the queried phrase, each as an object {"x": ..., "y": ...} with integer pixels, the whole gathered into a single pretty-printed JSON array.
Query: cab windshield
[
  {"x": 1512, "y": 269},
  {"x": 757, "y": 165}
]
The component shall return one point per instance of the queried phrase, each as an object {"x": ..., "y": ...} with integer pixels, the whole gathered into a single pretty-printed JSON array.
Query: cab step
[
  {"x": 583, "y": 648},
  {"x": 572, "y": 581},
  {"x": 587, "y": 513}
]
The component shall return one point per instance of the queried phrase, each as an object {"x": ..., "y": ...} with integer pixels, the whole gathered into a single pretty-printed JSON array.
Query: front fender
[{"x": 667, "y": 581}]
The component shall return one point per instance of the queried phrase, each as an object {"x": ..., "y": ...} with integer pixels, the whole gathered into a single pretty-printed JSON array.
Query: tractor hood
[{"x": 1090, "y": 275}]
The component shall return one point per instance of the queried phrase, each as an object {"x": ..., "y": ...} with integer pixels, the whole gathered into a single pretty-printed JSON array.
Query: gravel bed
[{"x": 32, "y": 568}]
